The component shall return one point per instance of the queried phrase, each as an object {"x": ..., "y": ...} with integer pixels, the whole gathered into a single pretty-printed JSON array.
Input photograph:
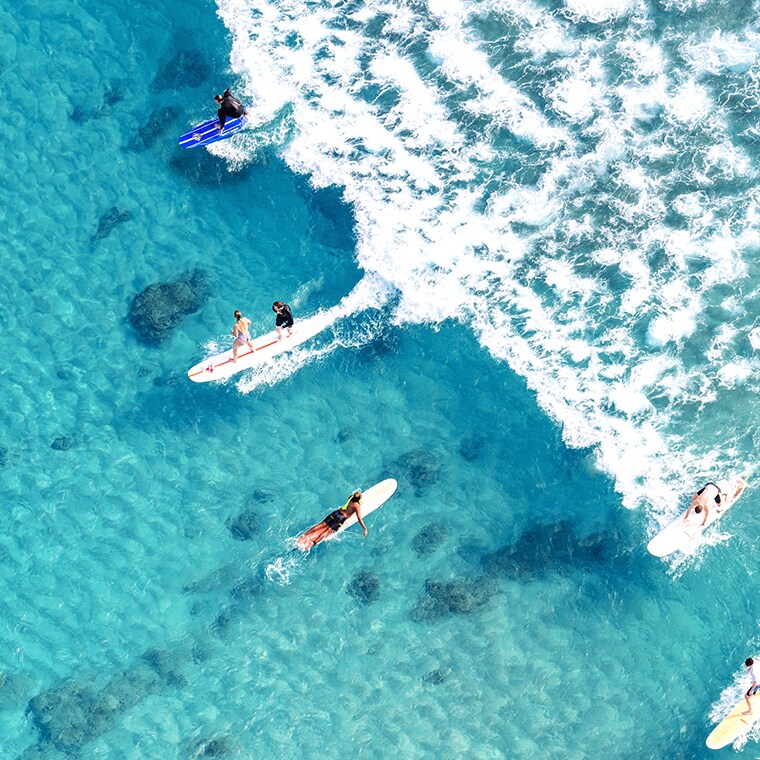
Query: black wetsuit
[
  {"x": 284, "y": 319},
  {"x": 230, "y": 106}
]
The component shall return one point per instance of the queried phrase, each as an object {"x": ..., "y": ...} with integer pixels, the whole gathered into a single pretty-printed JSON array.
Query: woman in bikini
[
  {"x": 332, "y": 523},
  {"x": 240, "y": 333}
]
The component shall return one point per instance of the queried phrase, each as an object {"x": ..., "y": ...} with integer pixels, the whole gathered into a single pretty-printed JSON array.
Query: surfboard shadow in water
[
  {"x": 158, "y": 123},
  {"x": 110, "y": 219},
  {"x": 112, "y": 96},
  {"x": 188, "y": 67}
]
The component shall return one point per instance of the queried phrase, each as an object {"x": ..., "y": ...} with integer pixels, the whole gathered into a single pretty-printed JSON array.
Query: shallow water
[{"x": 535, "y": 225}]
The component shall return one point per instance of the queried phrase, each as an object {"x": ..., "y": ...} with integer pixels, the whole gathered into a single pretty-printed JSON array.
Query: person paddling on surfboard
[
  {"x": 240, "y": 333},
  {"x": 230, "y": 106},
  {"x": 284, "y": 318},
  {"x": 331, "y": 524},
  {"x": 752, "y": 672},
  {"x": 708, "y": 496}
]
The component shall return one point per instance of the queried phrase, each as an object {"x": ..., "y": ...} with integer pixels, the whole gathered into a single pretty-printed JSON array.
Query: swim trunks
[{"x": 335, "y": 519}]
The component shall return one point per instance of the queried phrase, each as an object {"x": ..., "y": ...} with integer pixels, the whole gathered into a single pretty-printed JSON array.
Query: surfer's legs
[
  {"x": 750, "y": 693},
  {"x": 279, "y": 332},
  {"x": 316, "y": 534},
  {"x": 236, "y": 347}
]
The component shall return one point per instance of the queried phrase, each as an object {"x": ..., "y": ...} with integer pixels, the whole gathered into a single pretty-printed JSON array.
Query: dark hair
[
  {"x": 356, "y": 496},
  {"x": 218, "y": 98},
  {"x": 277, "y": 305},
  {"x": 749, "y": 662},
  {"x": 238, "y": 315},
  {"x": 697, "y": 509}
]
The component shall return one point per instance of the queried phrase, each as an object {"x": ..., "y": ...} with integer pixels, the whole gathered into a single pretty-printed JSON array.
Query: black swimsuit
[{"x": 335, "y": 519}]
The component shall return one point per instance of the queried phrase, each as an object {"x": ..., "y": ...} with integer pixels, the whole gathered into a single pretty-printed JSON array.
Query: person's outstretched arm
[{"x": 359, "y": 518}]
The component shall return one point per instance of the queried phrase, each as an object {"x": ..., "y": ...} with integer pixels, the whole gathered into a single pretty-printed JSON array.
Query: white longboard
[
  {"x": 221, "y": 366},
  {"x": 372, "y": 498},
  {"x": 734, "y": 724},
  {"x": 678, "y": 536}
]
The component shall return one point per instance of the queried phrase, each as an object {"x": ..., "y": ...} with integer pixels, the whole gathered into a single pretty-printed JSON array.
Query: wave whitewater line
[{"x": 576, "y": 188}]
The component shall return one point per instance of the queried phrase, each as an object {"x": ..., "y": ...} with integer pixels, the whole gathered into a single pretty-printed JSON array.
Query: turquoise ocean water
[{"x": 537, "y": 227}]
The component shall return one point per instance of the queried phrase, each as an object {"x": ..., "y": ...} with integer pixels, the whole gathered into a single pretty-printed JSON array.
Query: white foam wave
[
  {"x": 574, "y": 275},
  {"x": 603, "y": 10},
  {"x": 690, "y": 102},
  {"x": 723, "y": 52}
]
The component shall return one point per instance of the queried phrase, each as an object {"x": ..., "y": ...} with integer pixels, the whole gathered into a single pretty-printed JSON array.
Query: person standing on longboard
[
  {"x": 284, "y": 320},
  {"x": 749, "y": 663},
  {"x": 241, "y": 334},
  {"x": 230, "y": 106}
]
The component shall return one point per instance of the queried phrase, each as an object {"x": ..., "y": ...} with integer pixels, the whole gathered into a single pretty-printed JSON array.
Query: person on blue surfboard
[
  {"x": 230, "y": 106},
  {"x": 284, "y": 320}
]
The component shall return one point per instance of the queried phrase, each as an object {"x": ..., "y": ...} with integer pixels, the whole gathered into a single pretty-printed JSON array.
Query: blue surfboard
[{"x": 208, "y": 132}]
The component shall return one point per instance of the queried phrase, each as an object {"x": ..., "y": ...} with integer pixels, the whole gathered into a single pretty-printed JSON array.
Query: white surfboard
[
  {"x": 678, "y": 536},
  {"x": 372, "y": 498},
  {"x": 221, "y": 366},
  {"x": 734, "y": 724}
]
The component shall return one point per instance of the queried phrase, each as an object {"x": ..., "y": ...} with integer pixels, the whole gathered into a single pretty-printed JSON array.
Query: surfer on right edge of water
[
  {"x": 332, "y": 523},
  {"x": 749, "y": 663}
]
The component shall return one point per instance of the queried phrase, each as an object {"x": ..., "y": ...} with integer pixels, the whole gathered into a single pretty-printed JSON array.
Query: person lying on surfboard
[
  {"x": 284, "y": 318},
  {"x": 752, "y": 672},
  {"x": 240, "y": 333},
  {"x": 230, "y": 106},
  {"x": 331, "y": 524},
  {"x": 707, "y": 496}
]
